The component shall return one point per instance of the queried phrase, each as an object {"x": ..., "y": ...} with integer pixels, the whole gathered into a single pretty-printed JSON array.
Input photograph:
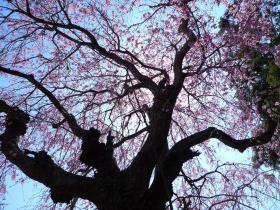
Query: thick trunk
[{"x": 120, "y": 193}]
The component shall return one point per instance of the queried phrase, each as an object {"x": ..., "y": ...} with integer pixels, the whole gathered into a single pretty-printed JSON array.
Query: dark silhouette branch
[
  {"x": 181, "y": 53},
  {"x": 126, "y": 138},
  {"x": 64, "y": 185},
  {"x": 240, "y": 145},
  {"x": 169, "y": 168},
  {"x": 93, "y": 44},
  {"x": 76, "y": 129}
]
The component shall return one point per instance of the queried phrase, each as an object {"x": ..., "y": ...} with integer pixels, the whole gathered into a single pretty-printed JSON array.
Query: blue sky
[{"x": 22, "y": 196}]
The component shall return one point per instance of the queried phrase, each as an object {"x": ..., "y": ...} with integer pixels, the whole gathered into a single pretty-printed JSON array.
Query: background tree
[
  {"x": 114, "y": 102},
  {"x": 262, "y": 74}
]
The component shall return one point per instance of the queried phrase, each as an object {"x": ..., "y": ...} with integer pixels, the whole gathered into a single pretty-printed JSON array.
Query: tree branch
[
  {"x": 76, "y": 129},
  {"x": 171, "y": 165},
  {"x": 161, "y": 189},
  {"x": 240, "y": 145},
  {"x": 64, "y": 185},
  {"x": 145, "y": 80},
  {"x": 179, "y": 56}
]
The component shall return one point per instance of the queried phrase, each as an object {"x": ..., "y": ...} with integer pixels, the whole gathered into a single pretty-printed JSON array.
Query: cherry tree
[{"x": 132, "y": 104}]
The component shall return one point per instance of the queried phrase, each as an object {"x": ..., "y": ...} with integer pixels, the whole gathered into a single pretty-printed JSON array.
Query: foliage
[{"x": 262, "y": 75}]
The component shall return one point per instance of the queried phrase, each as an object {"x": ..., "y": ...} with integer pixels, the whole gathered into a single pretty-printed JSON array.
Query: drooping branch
[
  {"x": 240, "y": 145},
  {"x": 93, "y": 44},
  {"x": 76, "y": 129},
  {"x": 64, "y": 185},
  {"x": 103, "y": 158}
]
